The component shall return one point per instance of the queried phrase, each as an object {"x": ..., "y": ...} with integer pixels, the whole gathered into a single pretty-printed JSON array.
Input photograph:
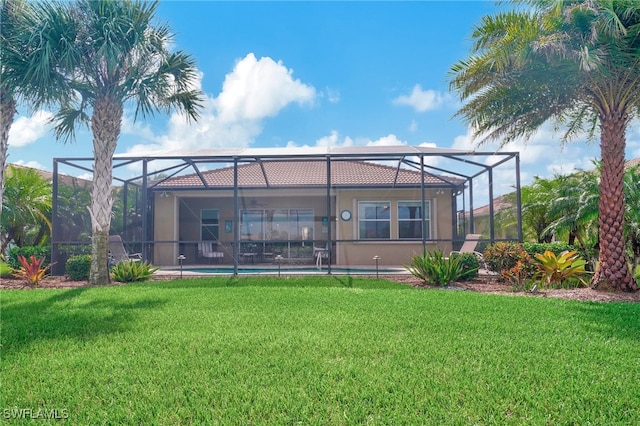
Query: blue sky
[{"x": 316, "y": 73}]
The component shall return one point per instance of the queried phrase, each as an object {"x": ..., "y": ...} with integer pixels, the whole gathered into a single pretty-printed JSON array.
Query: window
[
  {"x": 374, "y": 220},
  {"x": 276, "y": 225},
  {"x": 209, "y": 224},
  {"x": 410, "y": 220}
]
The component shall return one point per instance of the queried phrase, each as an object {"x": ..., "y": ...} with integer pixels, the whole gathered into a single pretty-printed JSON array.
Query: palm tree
[
  {"x": 12, "y": 55},
  {"x": 103, "y": 55},
  {"x": 576, "y": 63},
  {"x": 26, "y": 208}
]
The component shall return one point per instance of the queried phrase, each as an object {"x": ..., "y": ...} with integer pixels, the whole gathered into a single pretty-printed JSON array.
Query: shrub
[
  {"x": 40, "y": 252},
  {"x": 553, "y": 271},
  {"x": 435, "y": 269},
  {"x": 130, "y": 271},
  {"x": 31, "y": 271},
  {"x": 519, "y": 275},
  {"x": 503, "y": 256},
  {"x": 470, "y": 265},
  {"x": 5, "y": 270},
  {"x": 78, "y": 267}
]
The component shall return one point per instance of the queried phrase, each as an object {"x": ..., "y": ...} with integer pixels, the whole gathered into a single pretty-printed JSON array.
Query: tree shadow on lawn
[
  {"x": 290, "y": 281},
  {"x": 67, "y": 315},
  {"x": 612, "y": 319}
]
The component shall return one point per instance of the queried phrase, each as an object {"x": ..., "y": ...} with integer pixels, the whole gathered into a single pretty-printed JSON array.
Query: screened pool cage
[{"x": 326, "y": 209}]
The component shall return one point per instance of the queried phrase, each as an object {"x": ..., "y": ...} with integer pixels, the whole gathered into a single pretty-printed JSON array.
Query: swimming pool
[{"x": 303, "y": 270}]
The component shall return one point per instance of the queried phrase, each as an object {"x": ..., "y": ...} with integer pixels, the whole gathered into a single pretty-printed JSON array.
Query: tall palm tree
[
  {"x": 104, "y": 55},
  {"x": 576, "y": 63}
]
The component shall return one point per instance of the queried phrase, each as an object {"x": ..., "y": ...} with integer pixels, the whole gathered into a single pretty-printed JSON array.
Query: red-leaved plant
[{"x": 31, "y": 271}]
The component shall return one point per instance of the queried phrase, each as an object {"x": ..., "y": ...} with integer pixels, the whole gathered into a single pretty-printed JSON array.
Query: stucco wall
[{"x": 392, "y": 253}]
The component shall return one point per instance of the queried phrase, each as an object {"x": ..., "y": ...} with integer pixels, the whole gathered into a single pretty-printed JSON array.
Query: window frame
[
  {"x": 214, "y": 224},
  {"x": 362, "y": 219},
  {"x": 426, "y": 213}
]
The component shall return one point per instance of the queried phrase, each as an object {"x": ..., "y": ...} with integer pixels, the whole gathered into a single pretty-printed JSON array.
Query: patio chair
[
  {"x": 118, "y": 253},
  {"x": 209, "y": 250},
  {"x": 469, "y": 246}
]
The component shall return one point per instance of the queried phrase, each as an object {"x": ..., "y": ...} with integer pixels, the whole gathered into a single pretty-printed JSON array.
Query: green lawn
[{"x": 316, "y": 350}]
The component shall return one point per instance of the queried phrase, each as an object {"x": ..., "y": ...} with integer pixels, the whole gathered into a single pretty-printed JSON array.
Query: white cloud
[
  {"x": 253, "y": 91},
  {"x": 413, "y": 127},
  {"x": 421, "y": 100},
  {"x": 257, "y": 89},
  {"x": 26, "y": 130},
  {"x": 32, "y": 164},
  {"x": 334, "y": 140},
  {"x": 333, "y": 95}
]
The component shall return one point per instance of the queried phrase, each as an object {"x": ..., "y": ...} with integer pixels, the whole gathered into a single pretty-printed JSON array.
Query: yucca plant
[
  {"x": 31, "y": 271},
  {"x": 436, "y": 269},
  {"x": 131, "y": 271},
  {"x": 556, "y": 270}
]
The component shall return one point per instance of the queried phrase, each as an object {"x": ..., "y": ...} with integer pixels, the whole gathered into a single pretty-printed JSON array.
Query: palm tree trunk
[
  {"x": 7, "y": 112},
  {"x": 105, "y": 125},
  {"x": 613, "y": 271}
]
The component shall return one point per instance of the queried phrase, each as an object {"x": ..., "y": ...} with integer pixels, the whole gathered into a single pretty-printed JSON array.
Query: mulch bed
[{"x": 483, "y": 284}]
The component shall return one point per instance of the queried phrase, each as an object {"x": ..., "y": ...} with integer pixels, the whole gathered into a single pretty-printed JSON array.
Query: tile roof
[{"x": 271, "y": 173}]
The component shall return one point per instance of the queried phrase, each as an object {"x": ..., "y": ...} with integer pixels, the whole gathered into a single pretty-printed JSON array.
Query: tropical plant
[
  {"x": 26, "y": 209},
  {"x": 435, "y": 269},
  {"x": 520, "y": 274},
  {"x": 502, "y": 256},
  {"x": 469, "y": 264},
  {"x": 131, "y": 271},
  {"x": 556, "y": 270},
  {"x": 576, "y": 63},
  {"x": 103, "y": 55},
  {"x": 31, "y": 271},
  {"x": 5, "y": 269},
  {"x": 73, "y": 221}
]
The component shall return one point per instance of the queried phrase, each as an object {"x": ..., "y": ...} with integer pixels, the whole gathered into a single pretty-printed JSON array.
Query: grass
[{"x": 316, "y": 350}]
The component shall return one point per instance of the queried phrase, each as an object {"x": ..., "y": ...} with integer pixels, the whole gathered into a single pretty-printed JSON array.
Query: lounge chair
[
  {"x": 469, "y": 246},
  {"x": 118, "y": 253},
  {"x": 209, "y": 250}
]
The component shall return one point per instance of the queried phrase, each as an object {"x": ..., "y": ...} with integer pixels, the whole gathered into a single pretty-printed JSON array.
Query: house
[
  {"x": 284, "y": 209},
  {"x": 332, "y": 205}
]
